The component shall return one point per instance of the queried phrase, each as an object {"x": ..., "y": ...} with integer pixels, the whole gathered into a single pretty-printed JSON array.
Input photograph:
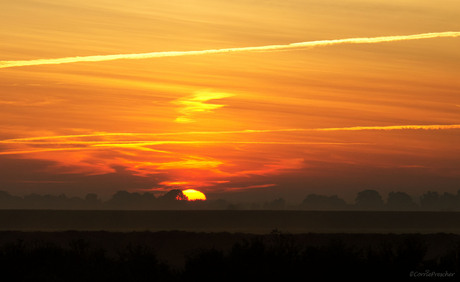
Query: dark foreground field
[
  {"x": 246, "y": 221},
  {"x": 35, "y": 245},
  {"x": 192, "y": 256}
]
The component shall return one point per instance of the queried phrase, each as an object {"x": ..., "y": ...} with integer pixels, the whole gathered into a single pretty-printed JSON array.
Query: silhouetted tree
[
  {"x": 320, "y": 202},
  {"x": 429, "y": 201},
  {"x": 400, "y": 201},
  {"x": 174, "y": 195},
  {"x": 124, "y": 200},
  {"x": 369, "y": 200},
  {"x": 174, "y": 199},
  {"x": 434, "y": 201}
]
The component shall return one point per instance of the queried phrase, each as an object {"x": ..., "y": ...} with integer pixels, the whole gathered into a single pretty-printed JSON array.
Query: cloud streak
[
  {"x": 35, "y": 145},
  {"x": 40, "y": 139},
  {"x": 198, "y": 103},
  {"x": 317, "y": 43},
  {"x": 141, "y": 145}
]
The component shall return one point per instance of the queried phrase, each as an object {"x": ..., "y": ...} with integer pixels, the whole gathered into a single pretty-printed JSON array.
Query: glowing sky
[{"x": 249, "y": 99}]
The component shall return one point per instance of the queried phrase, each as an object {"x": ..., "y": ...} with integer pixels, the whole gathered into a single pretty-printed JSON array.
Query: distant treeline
[
  {"x": 397, "y": 201},
  {"x": 175, "y": 199}
]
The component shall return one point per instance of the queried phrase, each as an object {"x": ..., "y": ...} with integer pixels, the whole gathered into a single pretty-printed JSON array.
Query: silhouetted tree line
[
  {"x": 175, "y": 199},
  {"x": 121, "y": 200},
  {"x": 396, "y": 201},
  {"x": 276, "y": 257}
]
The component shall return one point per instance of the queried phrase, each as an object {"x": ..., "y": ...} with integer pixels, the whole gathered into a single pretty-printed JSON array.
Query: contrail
[
  {"x": 40, "y": 139},
  {"x": 318, "y": 43}
]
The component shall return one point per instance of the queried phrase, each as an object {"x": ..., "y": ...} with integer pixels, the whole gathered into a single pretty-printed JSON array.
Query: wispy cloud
[
  {"x": 393, "y": 127},
  {"x": 198, "y": 103},
  {"x": 142, "y": 146},
  {"x": 34, "y": 151},
  {"x": 67, "y": 139},
  {"x": 275, "y": 168},
  {"x": 139, "y": 153},
  {"x": 26, "y": 103},
  {"x": 317, "y": 43},
  {"x": 234, "y": 189}
]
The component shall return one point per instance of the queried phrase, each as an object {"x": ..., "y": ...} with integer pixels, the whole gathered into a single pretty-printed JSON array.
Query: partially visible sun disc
[{"x": 194, "y": 195}]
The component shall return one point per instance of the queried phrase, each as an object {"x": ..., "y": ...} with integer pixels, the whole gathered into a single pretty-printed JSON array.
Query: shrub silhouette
[
  {"x": 279, "y": 258},
  {"x": 206, "y": 265},
  {"x": 139, "y": 263},
  {"x": 44, "y": 261},
  {"x": 275, "y": 256}
]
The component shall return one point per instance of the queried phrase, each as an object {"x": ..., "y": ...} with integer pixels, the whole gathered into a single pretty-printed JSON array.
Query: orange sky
[{"x": 285, "y": 122}]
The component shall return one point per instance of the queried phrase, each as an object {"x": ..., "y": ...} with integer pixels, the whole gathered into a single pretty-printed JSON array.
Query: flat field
[{"x": 246, "y": 221}]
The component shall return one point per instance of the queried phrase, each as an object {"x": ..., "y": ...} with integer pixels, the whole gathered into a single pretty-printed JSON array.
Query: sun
[{"x": 193, "y": 195}]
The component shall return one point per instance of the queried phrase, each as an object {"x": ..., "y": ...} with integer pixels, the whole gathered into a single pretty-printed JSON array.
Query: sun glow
[{"x": 194, "y": 195}]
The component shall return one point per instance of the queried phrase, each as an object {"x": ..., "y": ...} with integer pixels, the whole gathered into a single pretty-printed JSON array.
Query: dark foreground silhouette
[{"x": 143, "y": 256}]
